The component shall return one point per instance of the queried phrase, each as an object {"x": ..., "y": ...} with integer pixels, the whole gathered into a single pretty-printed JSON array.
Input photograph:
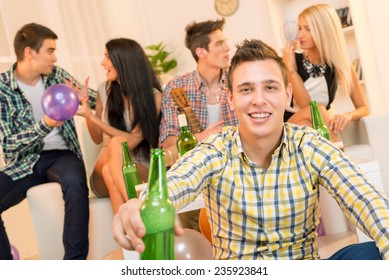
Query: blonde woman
[{"x": 322, "y": 70}]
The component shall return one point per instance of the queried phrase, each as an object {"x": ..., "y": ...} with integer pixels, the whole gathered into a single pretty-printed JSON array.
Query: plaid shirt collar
[
  {"x": 13, "y": 81},
  {"x": 200, "y": 84},
  {"x": 283, "y": 149}
]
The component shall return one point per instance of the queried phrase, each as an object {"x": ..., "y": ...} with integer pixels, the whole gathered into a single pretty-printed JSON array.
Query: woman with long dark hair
[{"x": 128, "y": 109}]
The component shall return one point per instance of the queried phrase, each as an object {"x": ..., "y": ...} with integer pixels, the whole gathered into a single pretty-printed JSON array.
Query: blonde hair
[{"x": 326, "y": 31}]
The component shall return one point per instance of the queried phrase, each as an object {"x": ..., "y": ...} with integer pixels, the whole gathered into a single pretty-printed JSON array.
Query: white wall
[
  {"x": 83, "y": 27},
  {"x": 377, "y": 15}
]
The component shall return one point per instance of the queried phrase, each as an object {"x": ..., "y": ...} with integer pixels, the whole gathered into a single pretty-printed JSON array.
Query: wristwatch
[{"x": 226, "y": 7}]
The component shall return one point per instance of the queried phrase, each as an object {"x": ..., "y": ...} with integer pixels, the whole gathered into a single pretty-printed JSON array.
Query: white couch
[
  {"x": 48, "y": 216},
  {"x": 46, "y": 208}
]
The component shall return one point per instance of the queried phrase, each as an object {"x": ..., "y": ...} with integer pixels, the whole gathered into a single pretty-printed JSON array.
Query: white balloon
[
  {"x": 291, "y": 30},
  {"x": 192, "y": 246}
]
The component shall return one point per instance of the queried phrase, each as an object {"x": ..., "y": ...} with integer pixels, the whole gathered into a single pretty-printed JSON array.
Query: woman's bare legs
[
  {"x": 113, "y": 176},
  {"x": 114, "y": 194},
  {"x": 99, "y": 187}
]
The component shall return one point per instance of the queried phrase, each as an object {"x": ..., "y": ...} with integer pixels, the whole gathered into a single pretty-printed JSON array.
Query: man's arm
[
  {"x": 169, "y": 126},
  {"x": 363, "y": 204},
  {"x": 27, "y": 135}
]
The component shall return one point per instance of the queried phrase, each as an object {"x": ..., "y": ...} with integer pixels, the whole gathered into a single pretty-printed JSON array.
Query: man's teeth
[{"x": 260, "y": 115}]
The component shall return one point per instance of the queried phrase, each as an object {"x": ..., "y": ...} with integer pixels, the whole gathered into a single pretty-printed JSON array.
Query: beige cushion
[{"x": 47, "y": 212}]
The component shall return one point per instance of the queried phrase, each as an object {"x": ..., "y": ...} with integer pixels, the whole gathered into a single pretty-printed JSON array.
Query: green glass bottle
[
  {"x": 186, "y": 141},
  {"x": 130, "y": 172},
  {"x": 157, "y": 212},
  {"x": 317, "y": 121}
]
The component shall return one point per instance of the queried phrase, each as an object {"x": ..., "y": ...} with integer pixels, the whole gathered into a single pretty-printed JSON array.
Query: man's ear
[
  {"x": 289, "y": 94},
  {"x": 201, "y": 52},
  {"x": 28, "y": 52}
]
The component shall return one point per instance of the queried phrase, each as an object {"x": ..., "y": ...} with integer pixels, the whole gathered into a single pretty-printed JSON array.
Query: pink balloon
[
  {"x": 192, "y": 246},
  {"x": 15, "y": 253},
  {"x": 60, "y": 102}
]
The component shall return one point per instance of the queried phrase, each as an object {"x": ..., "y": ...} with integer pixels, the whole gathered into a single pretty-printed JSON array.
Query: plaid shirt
[
  {"x": 195, "y": 89},
  {"x": 272, "y": 213},
  {"x": 21, "y": 137}
]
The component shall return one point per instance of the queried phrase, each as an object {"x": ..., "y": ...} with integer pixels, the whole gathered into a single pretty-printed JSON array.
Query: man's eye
[
  {"x": 245, "y": 90},
  {"x": 271, "y": 88}
]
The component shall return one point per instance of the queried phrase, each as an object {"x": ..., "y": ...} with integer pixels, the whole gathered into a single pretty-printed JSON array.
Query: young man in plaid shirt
[
  {"x": 36, "y": 148},
  {"x": 261, "y": 180}
]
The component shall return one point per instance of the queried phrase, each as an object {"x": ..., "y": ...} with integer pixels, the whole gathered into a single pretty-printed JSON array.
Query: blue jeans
[
  {"x": 361, "y": 251},
  {"x": 68, "y": 170}
]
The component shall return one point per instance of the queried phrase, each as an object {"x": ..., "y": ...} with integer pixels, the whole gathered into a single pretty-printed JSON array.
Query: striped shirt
[
  {"x": 273, "y": 213},
  {"x": 195, "y": 89},
  {"x": 21, "y": 137}
]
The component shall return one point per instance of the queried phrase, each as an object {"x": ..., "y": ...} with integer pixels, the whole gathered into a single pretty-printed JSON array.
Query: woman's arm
[
  {"x": 339, "y": 121},
  {"x": 94, "y": 130},
  {"x": 300, "y": 94},
  {"x": 135, "y": 136}
]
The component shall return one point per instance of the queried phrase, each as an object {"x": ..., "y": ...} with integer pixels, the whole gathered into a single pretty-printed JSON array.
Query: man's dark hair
[
  {"x": 31, "y": 35},
  {"x": 252, "y": 50},
  {"x": 197, "y": 34}
]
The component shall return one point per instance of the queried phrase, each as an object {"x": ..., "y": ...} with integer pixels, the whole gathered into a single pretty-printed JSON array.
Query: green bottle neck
[
  {"x": 184, "y": 129},
  {"x": 127, "y": 159},
  {"x": 157, "y": 176},
  {"x": 317, "y": 120},
  {"x": 183, "y": 123}
]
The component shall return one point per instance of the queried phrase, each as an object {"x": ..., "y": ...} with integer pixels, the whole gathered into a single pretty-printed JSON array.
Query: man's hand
[
  {"x": 52, "y": 123},
  {"x": 213, "y": 128},
  {"x": 128, "y": 228}
]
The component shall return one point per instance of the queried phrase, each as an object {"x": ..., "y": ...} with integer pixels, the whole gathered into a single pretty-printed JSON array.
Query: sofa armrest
[{"x": 376, "y": 133}]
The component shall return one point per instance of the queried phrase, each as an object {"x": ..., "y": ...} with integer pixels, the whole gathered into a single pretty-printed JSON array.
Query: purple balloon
[
  {"x": 60, "y": 102},
  {"x": 15, "y": 253}
]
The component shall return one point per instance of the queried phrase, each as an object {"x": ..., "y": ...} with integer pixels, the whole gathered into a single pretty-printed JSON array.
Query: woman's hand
[
  {"x": 339, "y": 122},
  {"x": 288, "y": 55},
  {"x": 84, "y": 110},
  {"x": 82, "y": 93}
]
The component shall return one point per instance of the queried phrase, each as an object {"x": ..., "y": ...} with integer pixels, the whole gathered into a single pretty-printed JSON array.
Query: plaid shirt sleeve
[
  {"x": 169, "y": 122},
  {"x": 363, "y": 204},
  {"x": 20, "y": 136}
]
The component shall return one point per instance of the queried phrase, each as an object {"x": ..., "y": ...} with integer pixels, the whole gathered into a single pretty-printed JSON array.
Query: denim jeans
[
  {"x": 64, "y": 167},
  {"x": 361, "y": 251}
]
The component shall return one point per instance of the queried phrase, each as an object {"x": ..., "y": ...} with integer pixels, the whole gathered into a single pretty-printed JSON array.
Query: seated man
[
  {"x": 261, "y": 179},
  {"x": 205, "y": 88},
  {"x": 36, "y": 148}
]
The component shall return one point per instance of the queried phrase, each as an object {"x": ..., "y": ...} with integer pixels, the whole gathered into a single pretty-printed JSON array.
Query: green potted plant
[{"x": 158, "y": 57}]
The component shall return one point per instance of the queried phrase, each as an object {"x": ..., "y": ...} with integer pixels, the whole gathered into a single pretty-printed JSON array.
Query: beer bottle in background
[
  {"x": 317, "y": 121},
  {"x": 157, "y": 212},
  {"x": 130, "y": 172},
  {"x": 186, "y": 141}
]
